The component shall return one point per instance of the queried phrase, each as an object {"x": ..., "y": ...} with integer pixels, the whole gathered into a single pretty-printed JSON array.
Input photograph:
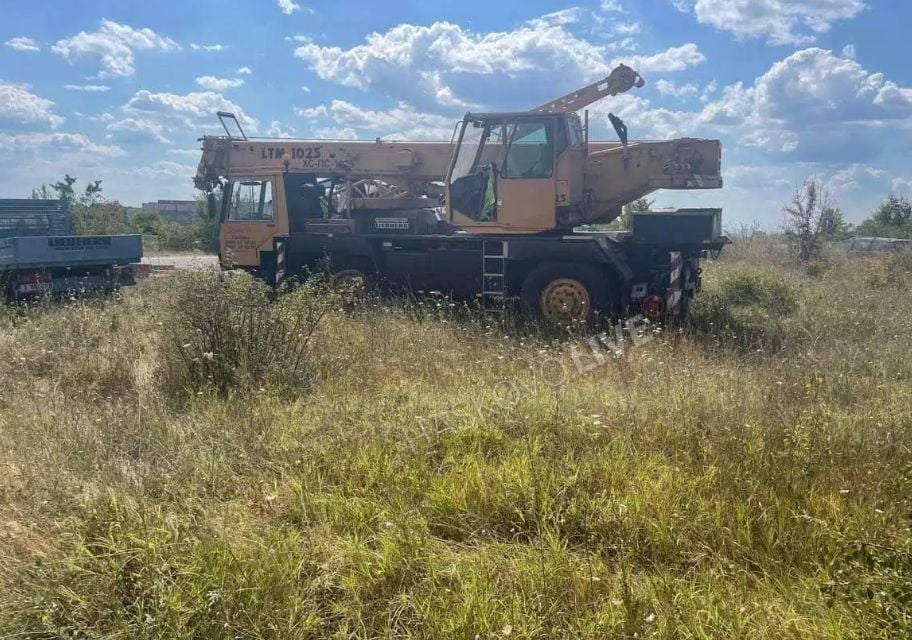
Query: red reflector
[
  {"x": 34, "y": 276},
  {"x": 653, "y": 306}
]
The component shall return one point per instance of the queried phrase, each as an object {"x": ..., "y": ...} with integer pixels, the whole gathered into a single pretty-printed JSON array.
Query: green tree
[
  {"x": 893, "y": 219},
  {"x": 835, "y": 227},
  {"x": 64, "y": 189},
  {"x": 90, "y": 213},
  {"x": 42, "y": 193},
  {"x": 145, "y": 222},
  {"x": 206, "y": 229},
  {"x": 806, "y": 219}
]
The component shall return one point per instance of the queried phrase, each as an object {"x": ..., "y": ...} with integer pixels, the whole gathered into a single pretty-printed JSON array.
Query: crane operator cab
[{"x": 515, "y": 172}]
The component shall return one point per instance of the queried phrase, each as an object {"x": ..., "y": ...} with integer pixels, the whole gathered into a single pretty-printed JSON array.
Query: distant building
[{"x": 180, "y": 211}]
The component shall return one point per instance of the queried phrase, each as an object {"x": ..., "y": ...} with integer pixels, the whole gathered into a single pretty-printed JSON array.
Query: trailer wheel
[{"x": 566, "y": 292}]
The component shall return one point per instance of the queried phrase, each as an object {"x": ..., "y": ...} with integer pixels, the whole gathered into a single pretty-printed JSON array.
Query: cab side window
[{"x": 531, "y": 151}]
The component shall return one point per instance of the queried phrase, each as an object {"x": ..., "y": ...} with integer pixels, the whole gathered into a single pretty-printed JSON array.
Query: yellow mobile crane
[{"x": 513, "y": 187}]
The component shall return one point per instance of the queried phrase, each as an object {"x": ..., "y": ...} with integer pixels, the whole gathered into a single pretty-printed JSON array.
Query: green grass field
[{"x": 411, "y": 472}]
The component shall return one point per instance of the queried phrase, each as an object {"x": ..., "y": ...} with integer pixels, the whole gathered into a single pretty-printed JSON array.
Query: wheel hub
[{"x": 565, "y": 300}]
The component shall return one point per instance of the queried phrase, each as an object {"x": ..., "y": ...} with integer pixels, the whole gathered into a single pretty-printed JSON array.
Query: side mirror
[{"x": 211, "y": 205}]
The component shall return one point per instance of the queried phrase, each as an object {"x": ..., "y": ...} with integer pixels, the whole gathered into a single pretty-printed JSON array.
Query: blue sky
[{"x": 120, "y": 89}]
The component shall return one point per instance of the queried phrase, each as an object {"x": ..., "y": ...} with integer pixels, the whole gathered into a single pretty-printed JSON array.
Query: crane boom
[{"x": 620, "y": 80}]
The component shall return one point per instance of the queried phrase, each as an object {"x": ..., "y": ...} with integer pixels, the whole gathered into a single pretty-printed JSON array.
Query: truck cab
[{"x": 516, "y": 172}]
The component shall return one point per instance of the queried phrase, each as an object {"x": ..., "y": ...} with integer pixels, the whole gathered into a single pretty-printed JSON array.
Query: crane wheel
[
  {"x": 566, "y": 293},
  {"x": 352, "y": 281}
]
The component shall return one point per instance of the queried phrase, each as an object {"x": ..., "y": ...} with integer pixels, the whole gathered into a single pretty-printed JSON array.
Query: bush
[
  {"x": 223, "y": 332},
  {"x": 747, "y": 308}
]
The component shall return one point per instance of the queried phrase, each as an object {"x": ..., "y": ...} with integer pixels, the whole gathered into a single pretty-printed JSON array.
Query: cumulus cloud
[
  {"x": 288, "y": 6},
  {"x": 401, "y": 122},
  {"x": 136, "y": 129},
  {"x": 780, "y": 22},
  {"x": 20, "y": 107},
  {"x": 815, "y": 85},
  {"x": 22, "y": 44},
  {"x": 184, "y": 112},
  {"x": 244, "y": 71},
  {"x": 113, "y": 45},
  {"x": 445, "y": 64},
  {"x": 856, "y": 177},
  {"x": 278, "y": 130},
  {"x": 672, "y": 59},
  {"x": 812, "y": 106},
  {"x": 219, "y": 84},
  {"x": 681, "y": 92}
]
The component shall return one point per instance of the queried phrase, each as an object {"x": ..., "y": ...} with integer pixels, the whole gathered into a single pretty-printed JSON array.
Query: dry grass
[{"x": 748, "y": 482}]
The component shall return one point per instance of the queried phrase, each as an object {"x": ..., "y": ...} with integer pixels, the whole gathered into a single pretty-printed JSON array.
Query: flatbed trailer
[
  {"x": 38, "y": 257},
  {"x": 646, "y": 271}
]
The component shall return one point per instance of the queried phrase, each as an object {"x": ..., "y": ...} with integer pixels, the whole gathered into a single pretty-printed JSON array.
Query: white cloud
[
  {"x": 627, "y": 28},
  {"x": 780, "y": 22},
  {"x": 557, "y": 18},
  {"x": 813, "y": 106},
  {"x": 19, "y": 106},
  {"x": 611, "y": 6},
  {"x": 855, "y": 177},
  {"x": 88, "y": 88},
  {"x": 113, "y": 44},
  {"x": 401, "y": 122},
  {"x": 184, "y": 112},
  {"x": 444, "y": 63},
  {"x": 815, "y": 86},
  {"x": 336, "y": 133},
  {"x": 278, "y": 130},
  {"x": 244, "y": 71},
  {"x": 672, "y": 59},
  {"x": 902, "y": 186},
  {"x": 681, "y": 92},
  {"x": 22, "y": 44},
  {"x": 207, "y": 47},
  {"x": 61, "y": 142},
  {"x": 288, "y": 6},
  {"x": 219, "y": 84},
  {"x": 129, "y": 129}
]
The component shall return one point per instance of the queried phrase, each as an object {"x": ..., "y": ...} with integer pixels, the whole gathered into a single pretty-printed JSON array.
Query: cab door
[
  {"x": 526, "y": 186},
  {"x": 249, "y": 221}
]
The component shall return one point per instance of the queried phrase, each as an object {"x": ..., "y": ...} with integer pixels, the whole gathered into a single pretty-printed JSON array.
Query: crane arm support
[
  {"x": 683, "y": 164},
  {"x": 620, "y": 80}
]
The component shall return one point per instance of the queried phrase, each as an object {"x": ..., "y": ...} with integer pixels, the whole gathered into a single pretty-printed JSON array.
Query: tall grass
[{"x": 432, "y": 479}]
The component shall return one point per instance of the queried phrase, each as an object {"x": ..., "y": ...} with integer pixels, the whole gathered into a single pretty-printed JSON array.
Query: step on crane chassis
[{"x": 515, "y": 190}]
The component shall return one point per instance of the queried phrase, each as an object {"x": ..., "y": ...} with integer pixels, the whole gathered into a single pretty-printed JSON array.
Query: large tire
[
  {"x": 350, "y": 278},
  {"x": 567, "y": 292}
]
